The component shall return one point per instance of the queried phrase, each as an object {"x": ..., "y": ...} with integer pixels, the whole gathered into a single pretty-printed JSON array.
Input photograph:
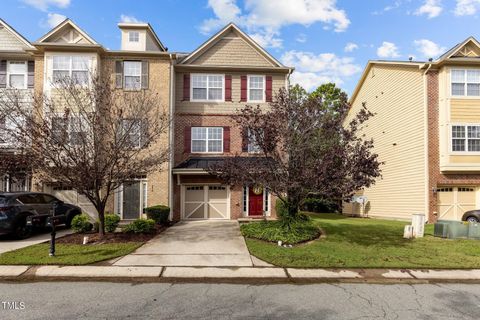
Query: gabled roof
[
  {"x": 215, "y": 38},
  {"x": 456, "y": 49},
  {"x": 67, "y": 22},
  {"x": 14, "y": 32},
  {"x": 144, "y": 26}
]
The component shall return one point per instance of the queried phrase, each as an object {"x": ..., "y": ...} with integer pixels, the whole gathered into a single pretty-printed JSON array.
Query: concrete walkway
[
  {"x": 11, "y": 244},
  {"x": 193, "y": 244}
]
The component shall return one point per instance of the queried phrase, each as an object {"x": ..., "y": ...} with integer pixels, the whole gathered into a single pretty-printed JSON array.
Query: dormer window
[{"x": 133, "y": 36}]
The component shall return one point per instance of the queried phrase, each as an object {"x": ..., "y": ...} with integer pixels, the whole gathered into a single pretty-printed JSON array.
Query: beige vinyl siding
[
  {"x": 465, "y": 110},
  {"x": 232, "y": 50},
  {"x": 396, "y": 95},
  {"x": 278, "y": 81},
  {"x": 471, "y": 159},
  {"x": 9, "y": 41}
]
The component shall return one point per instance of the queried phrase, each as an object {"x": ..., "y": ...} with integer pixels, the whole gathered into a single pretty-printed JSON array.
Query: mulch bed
[{"x": 116, "y": 237}]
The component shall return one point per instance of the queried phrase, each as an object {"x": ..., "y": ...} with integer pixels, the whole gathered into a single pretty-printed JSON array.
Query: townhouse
[
  {"x": 212, "y": 83},
  {"x": 202, "y": 91},
  {"x": 16, "y": 73},
  {"x": 142, "y": 63},
  {"x": 427, "y": 131}
]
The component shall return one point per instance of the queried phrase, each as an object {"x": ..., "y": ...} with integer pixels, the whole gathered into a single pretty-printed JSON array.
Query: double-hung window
[
  {"x": 74, "y": 68},
  {"x": 207, "y": 87},
  {"x": 256, "y": 88},
  {"x": 466, "y": 138},
  {"x": 72, "y": 130},
  {"x": 17, "y": 74},
  {"x": 132, "y": 71},
  {"x": 132, "y": 132},
  {"x": 133, "y": 36},
  {"x": 253, "y": 146},
  {"x": 465, "y": 82},
  {"x": 207, "y": 139}
]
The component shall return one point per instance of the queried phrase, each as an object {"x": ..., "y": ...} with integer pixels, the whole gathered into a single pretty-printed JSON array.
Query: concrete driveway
[
  {"x": 9, "y": 244},
  {"x": 194, "y": 244}
]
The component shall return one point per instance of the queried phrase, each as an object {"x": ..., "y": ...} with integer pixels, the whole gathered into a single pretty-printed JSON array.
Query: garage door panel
[
  {"x": 205, "y": 202},
  {"x": 453, "y": 202}
]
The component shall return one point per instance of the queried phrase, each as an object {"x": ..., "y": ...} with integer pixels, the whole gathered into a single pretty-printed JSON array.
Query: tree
[
  {"x": 92, "y": 138},
  {"x": 304, "y": 148}
]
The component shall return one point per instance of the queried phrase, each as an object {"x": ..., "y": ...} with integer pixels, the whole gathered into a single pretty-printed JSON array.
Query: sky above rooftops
[{"x": 325, "y": 40}]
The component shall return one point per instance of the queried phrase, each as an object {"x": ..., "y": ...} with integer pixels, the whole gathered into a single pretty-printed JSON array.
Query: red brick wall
[{"x": 436, "y": 178}]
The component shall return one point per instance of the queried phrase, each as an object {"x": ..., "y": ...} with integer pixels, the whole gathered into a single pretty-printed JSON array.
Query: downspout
[
  {"x": 170, "y": 140},
  {"x": 425, "y": 138}
]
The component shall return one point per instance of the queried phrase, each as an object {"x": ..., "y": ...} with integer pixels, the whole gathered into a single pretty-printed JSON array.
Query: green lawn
[
  {"x": 67, "y": 254},
  {"x": 370, "y": 243}
]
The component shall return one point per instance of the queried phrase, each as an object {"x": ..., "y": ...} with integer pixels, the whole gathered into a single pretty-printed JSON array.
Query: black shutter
[
  {"x": 119, "y": 74},
  {"x": 3, "y": 73},
  {"x": 31, "y": 74},
  {"x": 144, "y": 74}
]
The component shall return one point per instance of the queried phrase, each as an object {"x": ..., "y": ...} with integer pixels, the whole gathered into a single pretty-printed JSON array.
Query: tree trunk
[{"x": 101, "y": 219}]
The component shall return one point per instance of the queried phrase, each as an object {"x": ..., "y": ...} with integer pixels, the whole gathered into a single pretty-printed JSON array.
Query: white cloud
[
  {"x": 431, "y": 8},
  {"x": 302, "y": 38},
  {"x": 429, "y": 49},
  {"x": 54, "y": 19},
  {"x": 467, "y": 7},
  {"x": 129, "y": 19},
  {"x": 265, "y": 18},
  {"x": 45, "y": 4},
  {"x": 395, "y": 5},
  {"x": 388, "y": 50},
  {"x": 267, "y": 38},
  {"x": 349, "y": 47},
  {"x": 312, "y": 70}
]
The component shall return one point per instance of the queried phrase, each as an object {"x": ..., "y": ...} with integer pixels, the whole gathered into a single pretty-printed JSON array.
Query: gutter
[
  {"x": 170, "y": 138},
  {"x": 426, "y": 143}
]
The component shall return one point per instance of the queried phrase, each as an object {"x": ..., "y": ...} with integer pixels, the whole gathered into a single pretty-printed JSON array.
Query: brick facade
[{"x": 435, "y": 177}]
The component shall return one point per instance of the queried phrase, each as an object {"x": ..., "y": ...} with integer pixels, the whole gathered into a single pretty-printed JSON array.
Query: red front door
[{"x": 255, "y": 203}]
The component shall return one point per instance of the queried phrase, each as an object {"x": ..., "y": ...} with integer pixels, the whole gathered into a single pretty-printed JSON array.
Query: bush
[
  {"x": 81, "y": 223},
  {"x": 111, "y": 222},
  {"x": 158, "y": 213},
  {"x": 296, "y": 232},
  {"x": 140, "y": 226},
  {"x": 319, "y": 205}
]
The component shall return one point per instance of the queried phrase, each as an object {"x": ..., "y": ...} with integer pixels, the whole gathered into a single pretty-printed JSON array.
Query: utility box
[
  {"x": 456, "y": 229},
  {"x": 474, "y": 231},
  {"x": 408, "y": 232},
  {"x": 418, "y": 223},
  {"x": 440, "y": 230}
]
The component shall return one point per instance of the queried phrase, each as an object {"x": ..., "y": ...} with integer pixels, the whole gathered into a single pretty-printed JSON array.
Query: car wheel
[
  {"x": 472, "y": 219},
  {"x": 21, "y": 230}
]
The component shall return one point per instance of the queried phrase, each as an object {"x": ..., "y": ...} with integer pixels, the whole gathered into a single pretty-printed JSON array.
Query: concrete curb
[{"x": 235, "y": 275}]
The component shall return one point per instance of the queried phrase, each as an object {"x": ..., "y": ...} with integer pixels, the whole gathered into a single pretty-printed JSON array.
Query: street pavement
[{"x": 104, "y": 300}]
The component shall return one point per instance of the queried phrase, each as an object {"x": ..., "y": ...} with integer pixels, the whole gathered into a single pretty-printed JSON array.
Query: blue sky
[{"x": 325, "y": 40}]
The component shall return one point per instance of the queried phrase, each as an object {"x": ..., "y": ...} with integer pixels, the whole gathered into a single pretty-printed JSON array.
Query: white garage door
[
  {"x": 452, "y": 202},
  {"x": 206, "y": 202},
  {"x": 73, "y": 197}
]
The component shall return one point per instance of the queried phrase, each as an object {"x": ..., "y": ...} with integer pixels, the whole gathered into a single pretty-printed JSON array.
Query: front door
[
  {"x": 255, "y": 201},
  {"x": 131, "y": 200}
]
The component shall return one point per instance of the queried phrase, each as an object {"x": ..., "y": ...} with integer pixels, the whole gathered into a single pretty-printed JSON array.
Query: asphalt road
[{"x": 101, "y": 300}]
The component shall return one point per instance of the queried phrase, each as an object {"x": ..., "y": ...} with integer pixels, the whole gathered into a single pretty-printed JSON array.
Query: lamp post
[{"x": 53, "y": 221}]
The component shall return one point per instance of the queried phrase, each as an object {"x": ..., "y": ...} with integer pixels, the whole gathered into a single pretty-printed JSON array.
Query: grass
[
  {"x": 370, "y": 243},
  {"x": 67, "y": 254},
  {"x": 272, "y": 231}
]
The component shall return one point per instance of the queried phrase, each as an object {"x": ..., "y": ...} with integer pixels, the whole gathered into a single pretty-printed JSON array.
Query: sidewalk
[{"x": 237, "y": 274}]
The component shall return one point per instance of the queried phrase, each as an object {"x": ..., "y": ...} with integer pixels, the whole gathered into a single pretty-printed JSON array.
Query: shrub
[
  {"x": 273, "y": 231},
  {"x": 140, "y": 226},
  {"x": 81, "y": 223},
  {"x": 158, "y": 213},
  {"x": 319, "y": 205},
  {"x": 111, "y": 222}
]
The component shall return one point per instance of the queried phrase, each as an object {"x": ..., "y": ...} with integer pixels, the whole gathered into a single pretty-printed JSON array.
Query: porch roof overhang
[{"x": 200, "y": 165}]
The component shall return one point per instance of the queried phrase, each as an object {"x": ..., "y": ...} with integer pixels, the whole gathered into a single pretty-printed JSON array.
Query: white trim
[
  {"x": 207, "y": 87},
  {"x": 246, "y": 213},
  {"x": 465, "y": 83},
  {"x": 263, "y": 89},
  {"x": 118, "y": 198},
  {"x": 61, "y": 25},
  {"x": 450, "y": 142},
  {"x": 16, "y": 34}
]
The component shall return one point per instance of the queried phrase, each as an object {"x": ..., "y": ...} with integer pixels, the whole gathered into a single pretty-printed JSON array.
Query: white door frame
[
  {"x": 118, "y": 198},
  {"x": 205, "y": 200},
  {"x": 267, "y": 196}
]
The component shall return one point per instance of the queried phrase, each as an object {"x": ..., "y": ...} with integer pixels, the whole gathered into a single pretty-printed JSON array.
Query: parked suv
[{"x": 17, "y": 207}]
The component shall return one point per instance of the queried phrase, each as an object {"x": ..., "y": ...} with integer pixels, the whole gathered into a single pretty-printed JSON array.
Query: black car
[
  {"x": 471, "y": 216},
  {"x": 18, "y": 207}
]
